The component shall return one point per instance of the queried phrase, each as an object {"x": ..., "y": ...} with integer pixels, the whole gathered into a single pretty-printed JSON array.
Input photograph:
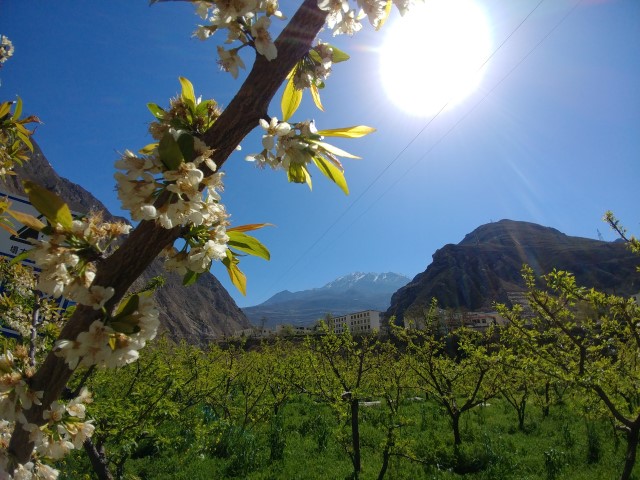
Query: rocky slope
[
  {"x": 347, "y": 294},
  {"x": 196, "y": 314},
  {"x": 486, "y": 264}
]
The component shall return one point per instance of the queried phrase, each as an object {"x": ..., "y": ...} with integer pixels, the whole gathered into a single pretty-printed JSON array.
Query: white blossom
[{"x": 262, "y": 38}]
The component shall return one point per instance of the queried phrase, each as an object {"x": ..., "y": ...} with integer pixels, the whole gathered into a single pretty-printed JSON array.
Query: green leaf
[
  {"x": 148, "y": 149},
  {"x": 291, "y": 98},
  {"x": 188, "y": 94},
  {"x": 356, "y": 131},
  {"x": 169, "y": 152},
  {"x": 25, "y": 139},
  {"x": 49, "y": 204},
  {"x": 315, "y": 94},
  {"x": 315, "y": 56},
  {"x": 18, "y": 111},
  {"x": 17, "y": 259},
  {"x": 333, "y": 149},
  {"x": 190, "y": 278},
  {"x": 125, "y": 327},
  {"x": 338, "y": 55},
  {"x": 156, "y": 110},
  {"x": 298, "y": 173},
  {"x": 185, "y": 142},
  {"x": 332, "y": 172},
  {"x": 247, "y": 244},
  {"x": 5, "y": 108},
  {"x": 127, "y": 308},
  {"x": 237, "y": 277}
]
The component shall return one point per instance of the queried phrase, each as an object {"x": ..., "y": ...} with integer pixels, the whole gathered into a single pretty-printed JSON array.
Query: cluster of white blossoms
[
  {"x": 246, "y": 21},
  {"x": 6, "y": 49},
  {"x": 193, "y": 199},
  {"x": 284, "y": 144},
  {"x": 105, "y": 344},
  {"x": 66, "y": 257},
  {"x": 344, "y": 18},
  {"x": 314, "y": 68},
  {"x": 175, "y": 183},
  {"x": 66, "y": 427}
]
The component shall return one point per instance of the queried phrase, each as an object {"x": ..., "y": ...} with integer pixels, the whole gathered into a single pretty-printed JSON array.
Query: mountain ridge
[
  {"x": 345, "y": 294},
  {"x": 486, "y": 264}
]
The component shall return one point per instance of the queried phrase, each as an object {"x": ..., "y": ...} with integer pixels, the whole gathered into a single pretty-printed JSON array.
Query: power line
[{"x": 422, "y": 130}]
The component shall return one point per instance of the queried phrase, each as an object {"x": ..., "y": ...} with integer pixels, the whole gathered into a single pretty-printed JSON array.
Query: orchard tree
[
  {"x": 455, "y": 370},
  {"x": 595, "y": 347},
  {"x": 341, "y": 367},
  {"x": 391, "y": 381},
  {"x": 171, "y": 188},
  {"x": 131, "y": 404}
]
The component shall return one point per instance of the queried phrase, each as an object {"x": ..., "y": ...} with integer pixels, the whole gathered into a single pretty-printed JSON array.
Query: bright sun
[{"x": 432, "y": 57}]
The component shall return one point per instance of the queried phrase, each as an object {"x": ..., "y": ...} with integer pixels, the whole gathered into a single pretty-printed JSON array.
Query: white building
[{"x": 358, "y": 323}]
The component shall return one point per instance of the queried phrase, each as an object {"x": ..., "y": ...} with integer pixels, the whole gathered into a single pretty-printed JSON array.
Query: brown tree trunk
[
  {"x": 455, "y": 424},
  {"x": 98, "y": 460},
  {"x": 632, "y": 447},
  {"x": 144, "y": 244},
  {"x": 355, "y": 437}
]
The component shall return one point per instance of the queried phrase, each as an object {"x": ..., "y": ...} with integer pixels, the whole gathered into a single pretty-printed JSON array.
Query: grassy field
[{"x": 303, "y": 443}]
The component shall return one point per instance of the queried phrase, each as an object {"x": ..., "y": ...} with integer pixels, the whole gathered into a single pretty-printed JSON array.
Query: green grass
[{"x": 561, "y": 446}]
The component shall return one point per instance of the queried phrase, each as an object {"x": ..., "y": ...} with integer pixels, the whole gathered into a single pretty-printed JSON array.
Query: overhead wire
[{"x": 422, "y": 130}]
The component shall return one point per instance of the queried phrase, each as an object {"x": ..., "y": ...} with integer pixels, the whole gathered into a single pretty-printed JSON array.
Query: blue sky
[{"x": 551, "y": 135}]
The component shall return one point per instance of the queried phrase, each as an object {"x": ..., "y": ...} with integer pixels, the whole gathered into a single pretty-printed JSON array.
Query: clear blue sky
[{"x": 552, "y": 134}]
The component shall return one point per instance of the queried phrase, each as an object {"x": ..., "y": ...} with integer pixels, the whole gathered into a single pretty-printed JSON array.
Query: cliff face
[
  {"x": 486, "y": 264},
  {"x": 196, "y": 313}
]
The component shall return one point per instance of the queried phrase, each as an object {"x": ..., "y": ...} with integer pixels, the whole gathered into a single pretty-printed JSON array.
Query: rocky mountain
[
  {"x": 197, "y": 313},
  {"x": 486, "y": 264},
  {"x": 346, "y": 294}
]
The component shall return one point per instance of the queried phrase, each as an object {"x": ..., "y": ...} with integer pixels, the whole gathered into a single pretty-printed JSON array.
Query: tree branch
[{"x": 144, "y": 244}]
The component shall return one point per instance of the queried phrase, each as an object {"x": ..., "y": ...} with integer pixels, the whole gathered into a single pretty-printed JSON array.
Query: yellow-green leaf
[
  {"x": 298, "y": 173},
  {"x": 18, "y": 111},
  {"x": 333, "y": 149},
  {"x": 235, "y": 274},
  {"x": 26, "y": 219},
  {"x": 124, "y": 327},
  {"x": 5, "y": 108},
  {"x": 247, "y": 244},
  {"x": 249, "y": 227},
  {"x": 128, "y": 307},
  {"x": 385, "y": 15},
  {"x": 356, "y": 131},
  {"x": 315, "y": 94},
  {"x": 148, "y": 149},
  {"x": 49, "y": 204},
  {"x": 169, "y": 152},
  {"x": 291, "y": 98},
  {"x": 188, "y": 94},
  {"x": 156, "y": 110},
  {"x": 338, "y": 55},
  {"x": 332, "y": 172}
]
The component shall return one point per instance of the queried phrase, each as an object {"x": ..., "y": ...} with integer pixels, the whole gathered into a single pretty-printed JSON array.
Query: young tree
[
  {"x": 595, "y": 347},
  {"x": 340, "y": 367},
  {"x": 455, "y": 370},
  {"x": 171, "y": 189}
]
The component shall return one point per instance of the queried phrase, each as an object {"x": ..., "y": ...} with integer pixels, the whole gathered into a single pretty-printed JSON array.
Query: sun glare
[{"x": 432, "y": 57}]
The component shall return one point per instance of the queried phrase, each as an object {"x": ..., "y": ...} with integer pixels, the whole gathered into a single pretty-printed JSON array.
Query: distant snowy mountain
[{"x": 349, "y": 293}]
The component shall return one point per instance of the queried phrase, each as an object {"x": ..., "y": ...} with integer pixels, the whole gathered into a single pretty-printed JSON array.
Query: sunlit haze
[{"x": 433, "y": 56}]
